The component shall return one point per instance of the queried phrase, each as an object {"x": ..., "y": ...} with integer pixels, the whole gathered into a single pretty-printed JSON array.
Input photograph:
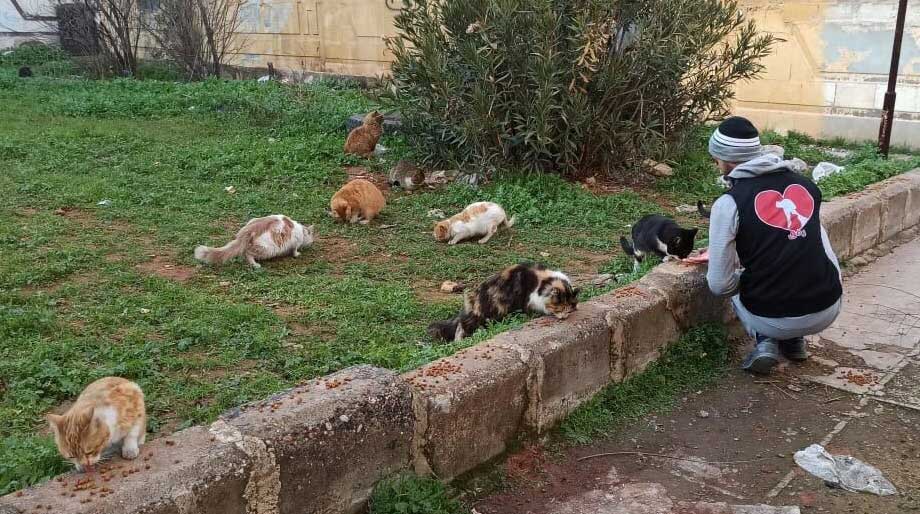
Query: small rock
[
  {"x": 776, "y": 150},
  {"x": 798, "y": 165},
  {"x": 602, "y": 279},
  {"x": 658, "y": 169},
  {"x": 591, "y": 181},
  {"x": 704, "y": 414},
  {"x": 451, "y": 287},
  {"x": 343, "y": 418},
  {"x": 544, "y": 254},
  {"x": 60, "y": 212},
  {"x": 145, "y": 311},
  {"x": 436, "y": 213},
  {"x": 230, "y": 190},
  {"x": 440, "y": 177},
  {"x": 795, "y": 388},
  {"x": 808, "y": 499},
  {"x": 105, "y": 203},
  {"x": 328, "y": 427},
  {"x": 685, "y": 209},
  {"x": 223, "y": 283},
  {"x": 839, "y": 153},
  {"x": 858, "y": 261}
]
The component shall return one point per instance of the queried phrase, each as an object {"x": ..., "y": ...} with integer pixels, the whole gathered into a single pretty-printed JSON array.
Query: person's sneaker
[
  {"x": 794, "y": 349},
  {"x": 763, "y": 358}
]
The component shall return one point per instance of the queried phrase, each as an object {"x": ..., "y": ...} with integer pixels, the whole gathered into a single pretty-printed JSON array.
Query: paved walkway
[{"x": 728, "y": 450}]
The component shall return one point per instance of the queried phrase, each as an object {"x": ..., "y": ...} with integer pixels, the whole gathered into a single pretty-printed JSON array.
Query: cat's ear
[
  {"x": 677, "y": 240},
  {"x": 54, "y": 421},
  {"x": 576, "y": 291},
  {"x": 694, "y": 232}
]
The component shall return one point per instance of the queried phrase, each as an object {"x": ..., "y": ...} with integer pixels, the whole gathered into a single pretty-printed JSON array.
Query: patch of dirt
[
  {"x": 335, "y": 250},
  {"x": 165, "y": 268},
  {"x": 378, "y": 179},
  {"x": 429, "y": 291},
  {"x": 27, "y": 212},
  {"x": 78, "y": 214},
  {"x": 526, "y": 463}
]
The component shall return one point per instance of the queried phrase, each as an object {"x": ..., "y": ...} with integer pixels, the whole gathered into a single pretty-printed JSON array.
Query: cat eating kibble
[
  {"x": 261, "y": 239},
  {"x": 358, "y": 201},
  {"x": 108, "y": 411},
  {"x": 659, "y": 235},
  {"x": 480, "y": 219},
  {"x": 519, "y": 288}
]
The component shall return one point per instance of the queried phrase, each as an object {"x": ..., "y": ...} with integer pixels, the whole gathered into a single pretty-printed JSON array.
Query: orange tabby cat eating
[
  {"x": 108, "y": 411},
  {"x": 357, "y": 201}
]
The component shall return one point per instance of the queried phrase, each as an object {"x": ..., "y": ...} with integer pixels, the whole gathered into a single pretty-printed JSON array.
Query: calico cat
[
  {"x": 261, "y": 239},
  {"x": 478, "y": 219},
  {"x": 363, "y": 140},
  {"x": 108, "y": 411},
  {"x": 407, "y": 176},
  {"x": 660, "y": 235},
  {"x": 519, "y": 288},
  {"x": 358, "y": 201}
]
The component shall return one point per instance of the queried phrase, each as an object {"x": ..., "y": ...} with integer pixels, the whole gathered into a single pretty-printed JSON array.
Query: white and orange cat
[
  {"x": 108, "y": 411},
  {"x": 358, "y": 201},
  {"x": 480, "y": 219},
  {"x": 261, "y": 239}
]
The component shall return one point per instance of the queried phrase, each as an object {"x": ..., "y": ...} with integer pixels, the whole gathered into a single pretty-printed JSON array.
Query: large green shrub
[{"x": 565, "y": 85}]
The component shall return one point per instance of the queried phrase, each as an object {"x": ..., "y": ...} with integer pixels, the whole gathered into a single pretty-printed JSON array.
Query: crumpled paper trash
[{"x": 846, "y": 472}]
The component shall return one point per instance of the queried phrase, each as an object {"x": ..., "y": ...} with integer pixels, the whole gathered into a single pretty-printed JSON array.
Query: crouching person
[{"x": 768, "y": 250}]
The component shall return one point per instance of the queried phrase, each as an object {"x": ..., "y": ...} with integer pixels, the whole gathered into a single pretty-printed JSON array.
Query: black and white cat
[{"x": 659, "y": 235}]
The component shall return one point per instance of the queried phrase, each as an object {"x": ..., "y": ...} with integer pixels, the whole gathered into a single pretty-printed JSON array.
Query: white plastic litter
[
  {"x": 824, "y": 170},
  {"x": 105, "y": 203},
  {"x": 264, "y": 78},
  {"x": 847, "y": 472}
]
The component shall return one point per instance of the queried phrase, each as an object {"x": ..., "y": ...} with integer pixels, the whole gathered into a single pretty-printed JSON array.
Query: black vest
[{"x": 786, "y": 270}]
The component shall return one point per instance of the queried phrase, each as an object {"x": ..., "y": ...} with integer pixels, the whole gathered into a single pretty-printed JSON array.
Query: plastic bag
[
  {"x": 824, "y": 170},
  {"x": 847, "y": 472}
]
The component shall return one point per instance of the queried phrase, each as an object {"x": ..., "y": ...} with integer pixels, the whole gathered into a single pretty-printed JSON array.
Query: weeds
[
  {"x": 410, "y": 494},
  {"x": 696, "y": 360}
]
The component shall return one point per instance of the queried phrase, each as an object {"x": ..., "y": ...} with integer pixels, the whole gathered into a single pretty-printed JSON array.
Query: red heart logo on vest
[{"x": 789, "y": 211}]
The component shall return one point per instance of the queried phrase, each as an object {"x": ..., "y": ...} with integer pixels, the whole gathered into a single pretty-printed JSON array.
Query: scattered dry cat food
[
  {"x": 19, "y": 493},
  {"x": 860, "y": 379},
  {"x": 442, "y": 369},
  {"x": 333, "y": 384},
  {"x": 628, "y": 292}
]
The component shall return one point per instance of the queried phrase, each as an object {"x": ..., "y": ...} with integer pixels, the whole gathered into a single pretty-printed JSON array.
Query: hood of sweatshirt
[{"x": 763, "y": 165}]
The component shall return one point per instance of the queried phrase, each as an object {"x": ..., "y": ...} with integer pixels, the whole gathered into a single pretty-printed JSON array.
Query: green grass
[
  {"x": 78, "y": 299},
  {"x": 410, "y": 494},
  {"x": 698, "y": 359},
  {"x": 77, "y": 303}
]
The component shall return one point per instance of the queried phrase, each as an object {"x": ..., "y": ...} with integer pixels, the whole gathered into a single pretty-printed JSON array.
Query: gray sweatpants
[{"x": 785, "y": 328}]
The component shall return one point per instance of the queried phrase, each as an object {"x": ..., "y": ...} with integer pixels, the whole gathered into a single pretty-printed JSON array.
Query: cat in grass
[
  {"x": 660, "y": 235},
  {"x": 480, "y": 219},
  {"x": 519, "y": 288},
  {"x": 108, "y": 411},
  {"x": 261, "y": 239},
  {"x": 358, "y": 201},
  {"x": 363, "y": 140}
]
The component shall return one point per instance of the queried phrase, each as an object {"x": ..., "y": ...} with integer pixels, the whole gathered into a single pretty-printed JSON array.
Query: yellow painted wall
[
  {"x": 334, "y": 36},
  {"x": 827, "y": 78}
]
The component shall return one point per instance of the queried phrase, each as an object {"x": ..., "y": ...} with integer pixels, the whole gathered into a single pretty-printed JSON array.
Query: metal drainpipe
[{"x": 884, "y": 134}]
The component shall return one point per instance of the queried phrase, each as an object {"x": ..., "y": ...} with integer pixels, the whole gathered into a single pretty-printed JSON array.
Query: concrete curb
[{"x": 320, "y": 447}]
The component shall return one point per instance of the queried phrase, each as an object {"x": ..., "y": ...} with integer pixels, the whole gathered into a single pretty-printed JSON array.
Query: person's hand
[{"x": 701, "y": 258}]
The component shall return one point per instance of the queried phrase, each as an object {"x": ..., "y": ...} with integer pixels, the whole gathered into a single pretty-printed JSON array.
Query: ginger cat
[
  {"x": 357, "y": 201},
  {"x": 261, "y": 239},
  {"x": 480, "y": 219},
  {"x": 108, "y": 411},
  {"x": 363, "y": 140}
]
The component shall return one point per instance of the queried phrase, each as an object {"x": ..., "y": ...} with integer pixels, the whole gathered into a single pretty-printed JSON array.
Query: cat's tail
[
  {"x": 627, "y": 247},
  {"x": 223, "y": 254},
  {"x": 456, "y": 328},
  {"x": 510, "y": 222},
  {"x": 701, "y": 208}
]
